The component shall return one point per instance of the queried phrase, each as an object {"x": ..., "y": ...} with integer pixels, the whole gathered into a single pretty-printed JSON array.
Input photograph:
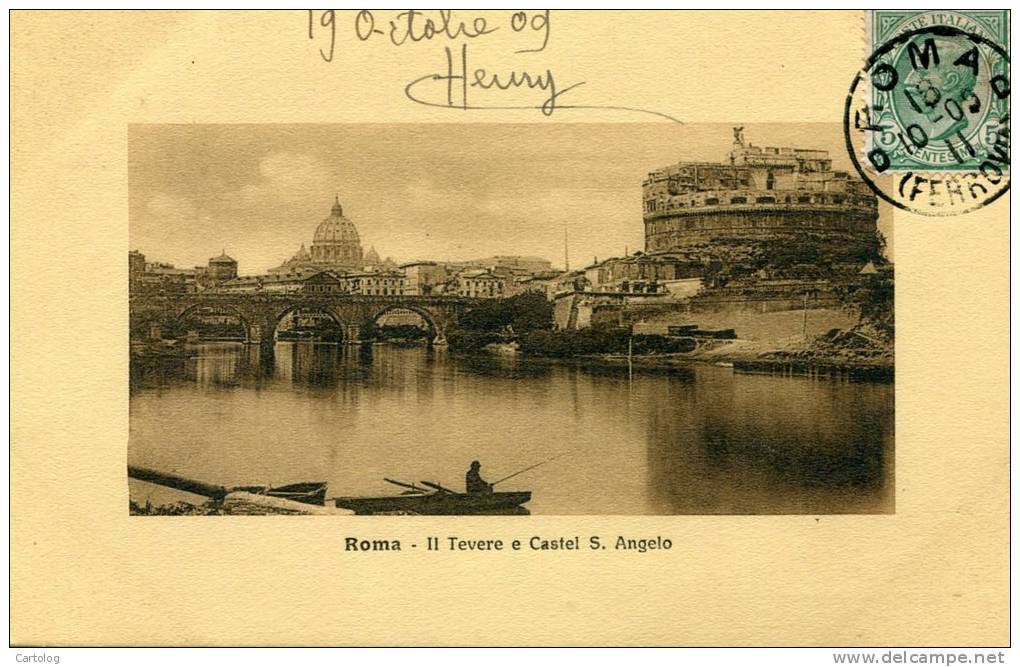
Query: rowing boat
[{"x": 436, "y": 500}]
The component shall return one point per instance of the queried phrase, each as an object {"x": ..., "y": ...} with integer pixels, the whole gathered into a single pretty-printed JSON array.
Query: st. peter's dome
[{"x": 336, "y": 240}]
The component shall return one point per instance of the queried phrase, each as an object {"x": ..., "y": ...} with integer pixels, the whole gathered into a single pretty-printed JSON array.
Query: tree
[
  {"x": 872, "y": 297},
  {"x": 525, "y": 312},
  {"x": 531, "y": 312}
]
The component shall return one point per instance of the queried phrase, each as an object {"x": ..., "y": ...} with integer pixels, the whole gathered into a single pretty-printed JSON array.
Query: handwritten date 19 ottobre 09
[{"x": 458, "y": 80}]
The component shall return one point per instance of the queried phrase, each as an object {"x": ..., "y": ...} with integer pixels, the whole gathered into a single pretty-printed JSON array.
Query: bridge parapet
[{"x": 226, "y": 298}]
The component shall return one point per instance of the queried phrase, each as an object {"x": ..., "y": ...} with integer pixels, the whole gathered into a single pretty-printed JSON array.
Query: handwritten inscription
[
  {"x": 459, "y": 83},
  {"x": 414, "y": 26},
  {"x": 458, "y": 79}
]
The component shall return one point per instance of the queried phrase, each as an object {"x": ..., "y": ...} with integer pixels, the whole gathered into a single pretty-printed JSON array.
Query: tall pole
[
  {"x": 803, "y": 326},
  {"x": 566, "y": 252}
]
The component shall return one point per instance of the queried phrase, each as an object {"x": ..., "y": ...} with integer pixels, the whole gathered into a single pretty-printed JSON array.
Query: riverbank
[
  {"x": 839, "y": 353},
  {"x": 237, "y": 503}
]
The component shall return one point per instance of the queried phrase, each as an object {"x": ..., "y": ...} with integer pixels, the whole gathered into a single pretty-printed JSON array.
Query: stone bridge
[{"x": 261, "y": 313}]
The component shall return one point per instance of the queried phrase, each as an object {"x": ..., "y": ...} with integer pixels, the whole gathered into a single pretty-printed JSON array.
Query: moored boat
[{"x": 311, "y": 493}]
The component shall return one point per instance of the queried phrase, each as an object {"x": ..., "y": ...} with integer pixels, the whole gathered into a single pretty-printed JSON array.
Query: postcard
[{"x": 581, "y": 328}]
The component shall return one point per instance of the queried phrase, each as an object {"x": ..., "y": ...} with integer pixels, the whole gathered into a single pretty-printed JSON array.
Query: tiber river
[{"x": 698, "y": 440}]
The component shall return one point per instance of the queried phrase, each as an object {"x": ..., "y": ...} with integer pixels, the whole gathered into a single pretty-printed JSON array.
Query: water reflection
[
  {"x": 731, "y": 445},
  {"x": 692, "y": 440}
]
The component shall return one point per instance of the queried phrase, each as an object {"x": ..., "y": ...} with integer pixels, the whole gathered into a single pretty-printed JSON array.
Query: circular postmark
[{"x": 927, "y": 121}]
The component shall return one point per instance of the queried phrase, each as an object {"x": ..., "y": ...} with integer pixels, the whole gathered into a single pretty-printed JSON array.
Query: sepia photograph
[{"x": 456, "y": 319}]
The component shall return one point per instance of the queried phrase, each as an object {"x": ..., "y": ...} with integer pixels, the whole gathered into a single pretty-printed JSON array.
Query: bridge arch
[
  {"x": 435, "y": 328},
  {"x": 277, "y": 317},
  {"x": 194, "y": 308}
]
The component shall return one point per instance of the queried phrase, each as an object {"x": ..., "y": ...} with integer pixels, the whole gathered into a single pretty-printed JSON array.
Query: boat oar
[
  {"x": 438, "y": 487},
  {"x": 531, "y": 467},
  {"x": 413, "y": 487}
]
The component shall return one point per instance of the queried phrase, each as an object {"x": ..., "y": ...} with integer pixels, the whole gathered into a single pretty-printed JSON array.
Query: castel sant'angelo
[{"x": 764, "y": 208}]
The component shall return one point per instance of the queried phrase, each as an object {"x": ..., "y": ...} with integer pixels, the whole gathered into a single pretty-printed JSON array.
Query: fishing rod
[{"x": 531, "y": 467}]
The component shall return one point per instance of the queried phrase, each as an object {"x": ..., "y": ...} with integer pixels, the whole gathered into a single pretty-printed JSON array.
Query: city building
[
  {"x": 545, "y": 283},
  {"x": 136, "y": 264},
  {"x": 318, "y": 281},
  {"x": 570, "y": 281},
  {"x": 159, "y": 276},
  {"x": 375, "y": 283},
  {"x": 136, "y": 268},
  {"x": 479, "y": 283},
  {"x": 374, "y": 263},
  {"x": 520, "y": 264},
  {"x": 372, "y": 257},
  {"x": 424, "y": 278},
  {"x": 270, "y": 282},
  {"x": 307, "y": 281},
  {"x": 151, "y": 276},
  {"x": 646, "y": 274},
  {"x": 301, "y": 259},
  {"x": 221, "y": 268},
  {"x": 516, "y": 263}
]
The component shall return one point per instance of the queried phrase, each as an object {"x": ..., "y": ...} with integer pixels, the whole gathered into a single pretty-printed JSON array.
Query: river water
[{"x": 697, "y": 440}]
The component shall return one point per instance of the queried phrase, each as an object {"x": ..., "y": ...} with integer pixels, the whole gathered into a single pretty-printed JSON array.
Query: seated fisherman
[{"x": 474, "y": 481}]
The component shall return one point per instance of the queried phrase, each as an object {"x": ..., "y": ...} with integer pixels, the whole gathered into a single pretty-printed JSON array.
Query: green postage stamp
[
  {"x": 927, "y": 116},
  {"x": 946, "y": 101}
]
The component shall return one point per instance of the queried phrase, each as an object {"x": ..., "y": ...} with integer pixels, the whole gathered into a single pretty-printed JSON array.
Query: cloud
[
  {"x": 284, "y": 178},
  {"x": 171, "y": 209},
  {"x": 293, "y": 173}
]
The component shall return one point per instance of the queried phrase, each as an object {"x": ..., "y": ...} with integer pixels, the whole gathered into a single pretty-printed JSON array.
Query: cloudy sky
[{"x": 428, "y": 191}]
